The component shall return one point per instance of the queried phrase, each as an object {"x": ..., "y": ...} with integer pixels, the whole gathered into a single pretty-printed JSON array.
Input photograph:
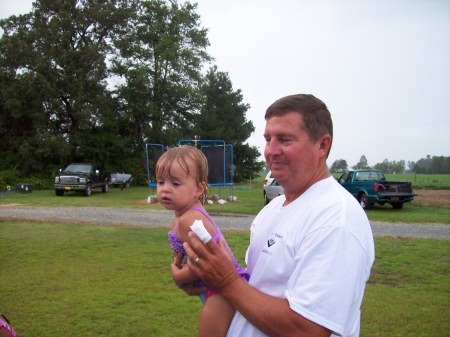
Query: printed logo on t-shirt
[{"x": 271, "y": 242}]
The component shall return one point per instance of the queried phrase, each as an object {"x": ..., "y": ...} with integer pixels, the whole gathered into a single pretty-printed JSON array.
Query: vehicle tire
[
  {"x": 266, "y": 200},
  {"x": 363, "y": 201},
  {"x": 397, "y": 205},
  {"x": 59, "y": 193},
  {"x": 88, "y": 190},
  {"x": 105, "y": 188},
  {"x": 127, "y": 184}
]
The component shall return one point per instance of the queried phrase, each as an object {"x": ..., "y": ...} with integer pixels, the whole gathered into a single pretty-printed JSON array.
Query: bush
[{"x": 8, "y": 179}]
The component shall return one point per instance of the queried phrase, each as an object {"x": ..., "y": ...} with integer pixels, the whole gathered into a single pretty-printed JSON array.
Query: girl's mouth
[{"x": 165, "y": 200}]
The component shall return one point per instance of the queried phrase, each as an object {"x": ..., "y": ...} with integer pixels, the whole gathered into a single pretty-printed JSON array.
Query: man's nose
[{"x": 272, "y": 148}]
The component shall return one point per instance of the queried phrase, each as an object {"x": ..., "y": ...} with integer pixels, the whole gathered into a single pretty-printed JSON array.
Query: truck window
[
  {"x": 366, "y": 176},
  {"x": 348, "y": 178}
]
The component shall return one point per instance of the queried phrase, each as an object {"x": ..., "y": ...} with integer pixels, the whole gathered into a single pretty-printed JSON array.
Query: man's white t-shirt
[{"x": 317, "y": 253}]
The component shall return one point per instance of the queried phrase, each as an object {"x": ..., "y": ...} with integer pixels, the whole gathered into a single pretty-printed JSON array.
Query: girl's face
[{"x": 177, "y": 191}]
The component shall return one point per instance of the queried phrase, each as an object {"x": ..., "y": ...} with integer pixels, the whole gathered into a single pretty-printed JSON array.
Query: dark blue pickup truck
[{"x": 370, "y": 187}]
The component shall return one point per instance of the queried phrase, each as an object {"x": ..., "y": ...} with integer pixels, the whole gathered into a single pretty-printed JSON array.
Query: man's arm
[{"x": 270, "y": 314}]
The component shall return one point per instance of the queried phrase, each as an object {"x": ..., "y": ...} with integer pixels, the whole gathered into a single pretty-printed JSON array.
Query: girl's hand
[
  {"x": 176, "y": 273},
  {"x": 182, "y": 274},
  {"x": 189, "y": 288},
  {"x": 178, "y": 260}
]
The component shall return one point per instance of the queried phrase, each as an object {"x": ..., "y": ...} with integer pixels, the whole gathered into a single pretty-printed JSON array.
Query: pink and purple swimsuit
[{"x": 177, "y": 246}]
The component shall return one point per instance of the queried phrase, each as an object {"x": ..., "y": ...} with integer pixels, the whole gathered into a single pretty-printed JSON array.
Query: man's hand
[{"x": 211, "y": 262}]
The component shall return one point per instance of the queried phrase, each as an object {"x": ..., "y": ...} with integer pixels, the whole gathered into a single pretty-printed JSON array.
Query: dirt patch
[{"x": 440, "y": 198}]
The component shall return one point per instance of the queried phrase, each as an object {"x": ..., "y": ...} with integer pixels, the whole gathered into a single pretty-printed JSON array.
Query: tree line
[
  {"x": 89, "y": 80},
  {"x": 428, "y": 165}
]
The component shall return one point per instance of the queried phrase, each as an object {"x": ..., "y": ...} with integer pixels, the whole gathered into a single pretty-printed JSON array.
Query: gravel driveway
[{"x": 163, "y": 218}]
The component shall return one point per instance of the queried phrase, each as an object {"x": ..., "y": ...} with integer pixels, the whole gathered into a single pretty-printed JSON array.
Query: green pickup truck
[{"x": 370, "y": 187}]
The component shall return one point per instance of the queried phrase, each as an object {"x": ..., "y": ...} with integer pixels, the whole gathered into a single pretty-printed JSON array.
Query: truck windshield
[{"x": 78, "y": 168}]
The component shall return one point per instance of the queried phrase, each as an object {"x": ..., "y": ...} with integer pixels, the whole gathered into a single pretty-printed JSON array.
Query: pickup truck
[
  {"x": 81, "y": 177},
  {"x": 370, "y": 187}
]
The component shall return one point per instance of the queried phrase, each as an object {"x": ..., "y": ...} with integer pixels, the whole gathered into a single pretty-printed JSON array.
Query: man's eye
[{"x": 285, "y": 139}]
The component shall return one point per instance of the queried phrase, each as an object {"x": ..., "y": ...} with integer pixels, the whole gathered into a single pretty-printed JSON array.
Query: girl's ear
[
  {"x": 202, "y": 197},
  {"x": 201, "y": 187}
]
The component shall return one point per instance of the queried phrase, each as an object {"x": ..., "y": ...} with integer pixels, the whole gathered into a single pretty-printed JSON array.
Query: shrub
[{"x": 8, "y": 179}]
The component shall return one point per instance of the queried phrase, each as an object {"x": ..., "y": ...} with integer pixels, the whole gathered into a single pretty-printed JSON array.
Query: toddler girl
[{"x": 181, "y": 175}]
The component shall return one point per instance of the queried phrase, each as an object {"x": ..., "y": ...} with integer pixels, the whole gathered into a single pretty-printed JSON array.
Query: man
[{"x": 310, "y": 251}]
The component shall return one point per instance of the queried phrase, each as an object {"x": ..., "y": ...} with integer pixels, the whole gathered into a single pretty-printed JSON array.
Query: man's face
[{"x": 291, "y": 155}]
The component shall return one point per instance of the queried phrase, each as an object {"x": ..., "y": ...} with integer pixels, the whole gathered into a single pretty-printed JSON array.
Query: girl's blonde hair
[{"x": 184, "y": 155}]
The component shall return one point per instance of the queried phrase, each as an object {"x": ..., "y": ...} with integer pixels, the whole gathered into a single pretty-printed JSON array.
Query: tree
[
  {"x": 246, "y": 162},
  {"x": 161, "y": 55},
  {"x": 94, "y": 80},
  {"x": 223, "y": 117},
  {"x": 397, "y": 167},
  {"x": 411, "y": 165},
  {"x": 339, "y": 165},
  {"x": 385, "y": 166},
  {"x": 362, "y": 164},
  {"x": 433, "y": 165},
  {"x": 57, "y": 54}
]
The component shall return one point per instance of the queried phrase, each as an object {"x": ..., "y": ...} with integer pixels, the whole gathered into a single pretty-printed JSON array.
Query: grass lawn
[
  {"x": 84, "y": 280},
  {"x": 249, "y": 201}
]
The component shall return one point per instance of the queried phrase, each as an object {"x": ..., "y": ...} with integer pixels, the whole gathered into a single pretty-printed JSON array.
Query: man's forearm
[{"x": 271, "y": 315}]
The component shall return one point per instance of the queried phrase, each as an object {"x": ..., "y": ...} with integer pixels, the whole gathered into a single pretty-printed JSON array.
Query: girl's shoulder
[{"x": 188, "y": 218}]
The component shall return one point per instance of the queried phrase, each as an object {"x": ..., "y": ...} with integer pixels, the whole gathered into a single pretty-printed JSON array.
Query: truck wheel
[
  {"x": 364, "y": 201},
  {"x": 88, "y": 190},
  {"x": 397, "y": 205},
  {"x": 105, "y": 188},
  {"x": 59, "y": 193}
]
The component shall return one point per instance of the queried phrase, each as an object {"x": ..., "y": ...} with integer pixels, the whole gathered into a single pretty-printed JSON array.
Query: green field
[
  {"x": 427, "y": 181},
  {"x": 249, "y": 201},
  {"x": 70, "y": 280},
  {"x": 84, "y": 280}
]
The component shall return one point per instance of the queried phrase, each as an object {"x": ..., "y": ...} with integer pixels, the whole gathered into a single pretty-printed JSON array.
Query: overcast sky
[{"x": 381, "y": 66}]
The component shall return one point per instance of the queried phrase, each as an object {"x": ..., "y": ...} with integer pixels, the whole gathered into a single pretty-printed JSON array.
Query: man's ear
[{"x": 325, "y": 144}]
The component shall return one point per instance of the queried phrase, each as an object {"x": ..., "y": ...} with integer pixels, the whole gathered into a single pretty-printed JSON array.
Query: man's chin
[{"x": 278, "y": 173}]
